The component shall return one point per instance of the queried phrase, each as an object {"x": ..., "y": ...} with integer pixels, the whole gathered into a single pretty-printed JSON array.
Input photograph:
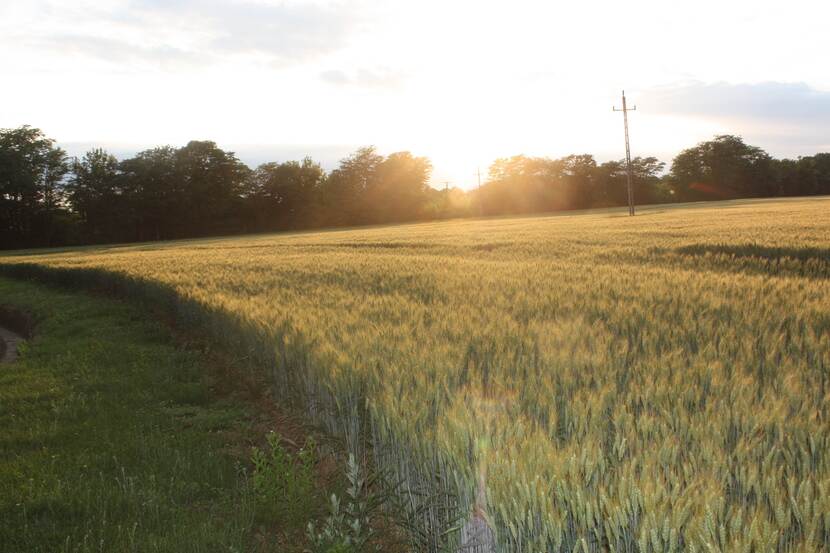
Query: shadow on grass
[
  {"x": 17, "y": 321},
  {"x": 755, "y": 258}
]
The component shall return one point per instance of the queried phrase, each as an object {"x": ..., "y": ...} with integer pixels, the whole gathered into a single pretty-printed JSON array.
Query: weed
[
  {"x": 283, "y": 484},
  {"x": 347, "y": 528}
]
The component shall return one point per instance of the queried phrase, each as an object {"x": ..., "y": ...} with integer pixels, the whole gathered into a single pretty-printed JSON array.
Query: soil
[
  {"x": 15, "y": 326},
  {"x": 8, "y": 345}
]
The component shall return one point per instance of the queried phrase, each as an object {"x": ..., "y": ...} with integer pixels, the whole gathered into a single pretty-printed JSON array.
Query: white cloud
[{"x": 162, "y": 33}]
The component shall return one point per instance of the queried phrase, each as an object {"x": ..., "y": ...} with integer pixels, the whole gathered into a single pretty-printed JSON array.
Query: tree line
[{"x": 48, "y": 199}]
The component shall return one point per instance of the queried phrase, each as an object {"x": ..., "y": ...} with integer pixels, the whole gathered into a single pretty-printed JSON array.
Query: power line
[{"x": 625, "y": 109}]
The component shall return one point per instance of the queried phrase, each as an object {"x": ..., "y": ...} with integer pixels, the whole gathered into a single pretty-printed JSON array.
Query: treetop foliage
[{"x": 47, "y": 199}]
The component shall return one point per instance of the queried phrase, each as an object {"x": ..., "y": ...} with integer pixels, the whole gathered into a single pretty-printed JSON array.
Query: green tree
[
  {"x": 647, "y": 184},
  {"x": 95, "y": 194},
  {"x": 32, "y": 171},
  {"x": 346, "y": 189},
  {"x": 212, "y": 182},
  {"x": 180, "y": 192},
  {"x": 806, "y": 176},
  {"x": 155, "y": 195},
  {"x": 724, "y": 167},
  {"x": 286, "y": 195}
]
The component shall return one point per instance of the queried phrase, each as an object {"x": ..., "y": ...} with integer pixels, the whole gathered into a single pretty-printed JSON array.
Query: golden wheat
[{"x": 652, "y": 384}]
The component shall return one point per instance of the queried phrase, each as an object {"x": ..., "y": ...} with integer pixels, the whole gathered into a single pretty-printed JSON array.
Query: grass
[
  {"x": 600, "y": 383},
  {"x": 115, "y": 438}
]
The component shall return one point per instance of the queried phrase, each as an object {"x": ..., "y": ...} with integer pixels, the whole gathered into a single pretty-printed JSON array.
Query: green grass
[
  {"x": 111, "y": 439},
  {"x": 590, "y": 382}
]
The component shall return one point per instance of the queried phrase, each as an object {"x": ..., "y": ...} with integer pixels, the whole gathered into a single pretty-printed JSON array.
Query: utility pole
[{"x": 625, "y": 109}]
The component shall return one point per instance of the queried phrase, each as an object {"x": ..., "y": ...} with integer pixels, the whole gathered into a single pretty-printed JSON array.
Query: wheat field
[{"x": 601, "y": 383}]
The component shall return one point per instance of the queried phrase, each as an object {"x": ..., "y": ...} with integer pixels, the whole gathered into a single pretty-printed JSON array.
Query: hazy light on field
[{"x": 460, "y": 82}]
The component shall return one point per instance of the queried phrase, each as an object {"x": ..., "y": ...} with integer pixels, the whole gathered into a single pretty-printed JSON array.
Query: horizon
[{"x": 279, "y": 81}]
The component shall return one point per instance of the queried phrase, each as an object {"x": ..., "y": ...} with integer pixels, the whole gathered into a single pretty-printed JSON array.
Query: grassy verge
[{"x": 115, "y": 438}]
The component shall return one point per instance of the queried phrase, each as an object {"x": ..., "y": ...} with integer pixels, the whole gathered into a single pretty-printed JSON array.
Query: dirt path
[{"x": 11, "y": 340}]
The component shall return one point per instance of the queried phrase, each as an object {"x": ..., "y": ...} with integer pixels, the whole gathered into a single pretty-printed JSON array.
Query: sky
[{"x": 460, "y": 82}]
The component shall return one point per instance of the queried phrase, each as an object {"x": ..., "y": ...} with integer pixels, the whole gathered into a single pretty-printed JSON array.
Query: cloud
[
  {"x": 195, "y": 32},
  {"x": 285, "y": 32},
  {"x": 789, "y": 118},
  {"x": 776, "y": 101},
  {"x": 120, "y": 52}
]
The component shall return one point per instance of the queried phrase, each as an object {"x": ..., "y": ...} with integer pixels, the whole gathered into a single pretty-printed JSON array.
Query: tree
[
  {"x": 212, "y": 182},
  {"x": 724, "y": 167},
  {"x": 285, "y": 195},
  {"x": 32, "y": 170},
  {"x": 648, "y": 184},
  {"x": 518, "y": 184},
  {"x": 577, "y": 175},
  {"x": 398, "y": 190},
  {"x": 96, "y": 195},
  {"x": 806, "y": 176},
  {"x": 200, "y": 189},
  {"x": 449, "y": 203},
  {"x": 191, "y": 191},
  {"x": 820, "y": 165},
  {"x": 367, "y": 188},
  {"x": 345, "y": 191},
  {"x": 155, "y": 195},
  {"x": 522, "y": 184},
  {"x": 649, "y": 188}
]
